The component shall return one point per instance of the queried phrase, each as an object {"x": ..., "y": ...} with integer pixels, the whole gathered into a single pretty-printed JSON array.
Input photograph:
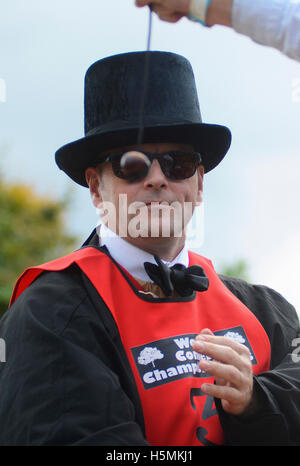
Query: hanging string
[
  {"x": 145, "y": 81},
  {"x": 131, "y": 157}
]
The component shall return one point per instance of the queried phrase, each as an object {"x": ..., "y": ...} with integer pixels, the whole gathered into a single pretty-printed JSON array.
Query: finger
[
  {"x": 206, "y": 331},
  {"x": 223, "y": 353},
  {"x": 166, "y": 14},
  {"x": 233, "y": 401},
  {"x": 221, "y": 340},
  {"x": 171, "y": 18},
  {"x": 220, "y": 381},
  {"x": 143, "y": 2},
  {"x": 224, "y": 373},
  {"x": 224, "y": 392}
]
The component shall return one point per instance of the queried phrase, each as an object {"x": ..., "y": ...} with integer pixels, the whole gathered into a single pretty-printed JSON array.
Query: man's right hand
[
  {"x": 218, "y": 12},
  {"x": 167, "y": 10}
]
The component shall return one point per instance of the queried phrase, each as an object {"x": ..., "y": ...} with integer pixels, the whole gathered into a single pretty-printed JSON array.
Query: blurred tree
[
  {"x": 32, "y": 231},
  {"x": 238, "y": 269}
]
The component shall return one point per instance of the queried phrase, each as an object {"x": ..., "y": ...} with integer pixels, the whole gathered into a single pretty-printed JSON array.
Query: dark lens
[
  {"x": 180, "y": 165},
  {"x": 131, "y": 166}
]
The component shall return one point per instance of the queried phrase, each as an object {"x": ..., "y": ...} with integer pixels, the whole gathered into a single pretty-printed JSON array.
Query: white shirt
[
  {"x": 132, "y": 258},
  {"x": 275, "y": 23}
]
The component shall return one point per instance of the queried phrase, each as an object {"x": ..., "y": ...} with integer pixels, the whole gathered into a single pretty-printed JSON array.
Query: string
[{"x": 145, "y": 81}]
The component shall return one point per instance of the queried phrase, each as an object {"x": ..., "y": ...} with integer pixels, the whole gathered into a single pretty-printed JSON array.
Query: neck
[{"x": 166, "y": 248}]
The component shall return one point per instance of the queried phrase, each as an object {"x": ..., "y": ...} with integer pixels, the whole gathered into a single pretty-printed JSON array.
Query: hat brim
[{"x": 212, "y": 141}]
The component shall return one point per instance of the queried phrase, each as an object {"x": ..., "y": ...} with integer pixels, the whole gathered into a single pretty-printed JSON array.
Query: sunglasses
[{"x": 134, "y": 166}]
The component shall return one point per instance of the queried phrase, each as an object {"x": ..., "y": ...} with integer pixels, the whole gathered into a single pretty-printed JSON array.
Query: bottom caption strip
[{"x": 148, "y": 455}]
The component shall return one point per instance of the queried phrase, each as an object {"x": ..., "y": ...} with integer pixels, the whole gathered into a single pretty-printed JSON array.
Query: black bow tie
[{"x": 182, "y": 279}]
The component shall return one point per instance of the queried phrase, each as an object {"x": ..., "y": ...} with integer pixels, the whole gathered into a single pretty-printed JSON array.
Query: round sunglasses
[{"x": 134, "y": 166}]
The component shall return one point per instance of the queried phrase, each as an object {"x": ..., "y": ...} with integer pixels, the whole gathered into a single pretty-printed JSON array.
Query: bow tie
[{"x": 182, "y": 279}]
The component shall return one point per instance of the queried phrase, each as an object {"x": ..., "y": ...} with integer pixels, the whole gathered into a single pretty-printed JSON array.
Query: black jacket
[{"x": 67, "y": 379}]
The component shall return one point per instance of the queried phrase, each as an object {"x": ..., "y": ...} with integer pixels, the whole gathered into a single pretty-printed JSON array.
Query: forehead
[{"x": 155, "y": 147}]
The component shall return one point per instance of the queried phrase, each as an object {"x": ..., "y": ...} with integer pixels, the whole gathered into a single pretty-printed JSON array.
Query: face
[{"x": 152, "y": 209}]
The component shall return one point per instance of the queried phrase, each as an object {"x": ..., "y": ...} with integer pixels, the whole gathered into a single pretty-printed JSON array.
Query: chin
[{"x": 158, "y": 232}]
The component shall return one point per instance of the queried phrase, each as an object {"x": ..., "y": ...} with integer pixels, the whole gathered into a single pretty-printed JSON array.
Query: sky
[{"x": 251, "y": 200}]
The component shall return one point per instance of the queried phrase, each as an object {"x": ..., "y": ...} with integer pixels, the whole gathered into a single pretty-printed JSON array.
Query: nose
[{"x": 155, "y": 178}]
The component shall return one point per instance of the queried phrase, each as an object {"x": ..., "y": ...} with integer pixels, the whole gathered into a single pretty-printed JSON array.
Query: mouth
[{"x": 158, "y": 203}]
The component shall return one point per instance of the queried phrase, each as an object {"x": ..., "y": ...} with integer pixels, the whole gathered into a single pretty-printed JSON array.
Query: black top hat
[{"x": 112, "y": 106}]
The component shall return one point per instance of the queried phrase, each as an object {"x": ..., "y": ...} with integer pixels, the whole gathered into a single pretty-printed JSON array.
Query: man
[
  {"x": 133, "y": 339},
  {"x": 274, "y": 23}
]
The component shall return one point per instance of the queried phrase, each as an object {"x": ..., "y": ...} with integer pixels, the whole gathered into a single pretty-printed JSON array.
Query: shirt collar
[{"x": 132, "y": 258}]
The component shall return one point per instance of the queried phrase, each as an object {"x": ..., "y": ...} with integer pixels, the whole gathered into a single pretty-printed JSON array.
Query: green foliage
[
  {"x": 32, "y": 231},
  {"x": 238, "y": 269}
]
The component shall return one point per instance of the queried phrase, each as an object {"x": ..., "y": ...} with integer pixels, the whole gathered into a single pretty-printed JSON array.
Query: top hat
[{"x": 114, "y": 90}]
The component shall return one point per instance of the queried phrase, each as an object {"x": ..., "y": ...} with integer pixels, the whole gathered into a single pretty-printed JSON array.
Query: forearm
[{"x": 274, "y": 23}]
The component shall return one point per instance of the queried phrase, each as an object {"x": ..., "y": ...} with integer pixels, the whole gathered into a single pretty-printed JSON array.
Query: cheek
[
  {"x": 190, "y": 191},
  {"x": 198, "y": 189},
  {"x": 119, "y": 193},
  {"x": 108, "y": 185}
]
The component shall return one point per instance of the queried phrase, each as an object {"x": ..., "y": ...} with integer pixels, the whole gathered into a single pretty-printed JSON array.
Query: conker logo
[{"x": 171, "y": 359}]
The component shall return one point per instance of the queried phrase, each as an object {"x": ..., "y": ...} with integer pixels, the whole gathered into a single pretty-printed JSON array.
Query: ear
[
  {"x": 200, "y": 177},
  {"x": 93, "y": 180}
]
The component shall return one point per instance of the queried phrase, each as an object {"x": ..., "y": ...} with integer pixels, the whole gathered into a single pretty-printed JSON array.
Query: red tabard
[{"x": 158, "y": 334}]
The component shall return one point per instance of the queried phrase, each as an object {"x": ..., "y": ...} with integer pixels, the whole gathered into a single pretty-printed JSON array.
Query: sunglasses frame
[{"x": 116, "y": 157}]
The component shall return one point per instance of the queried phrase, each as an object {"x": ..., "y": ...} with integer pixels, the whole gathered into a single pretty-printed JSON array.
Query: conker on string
[{"x": 134, "y": 165}]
